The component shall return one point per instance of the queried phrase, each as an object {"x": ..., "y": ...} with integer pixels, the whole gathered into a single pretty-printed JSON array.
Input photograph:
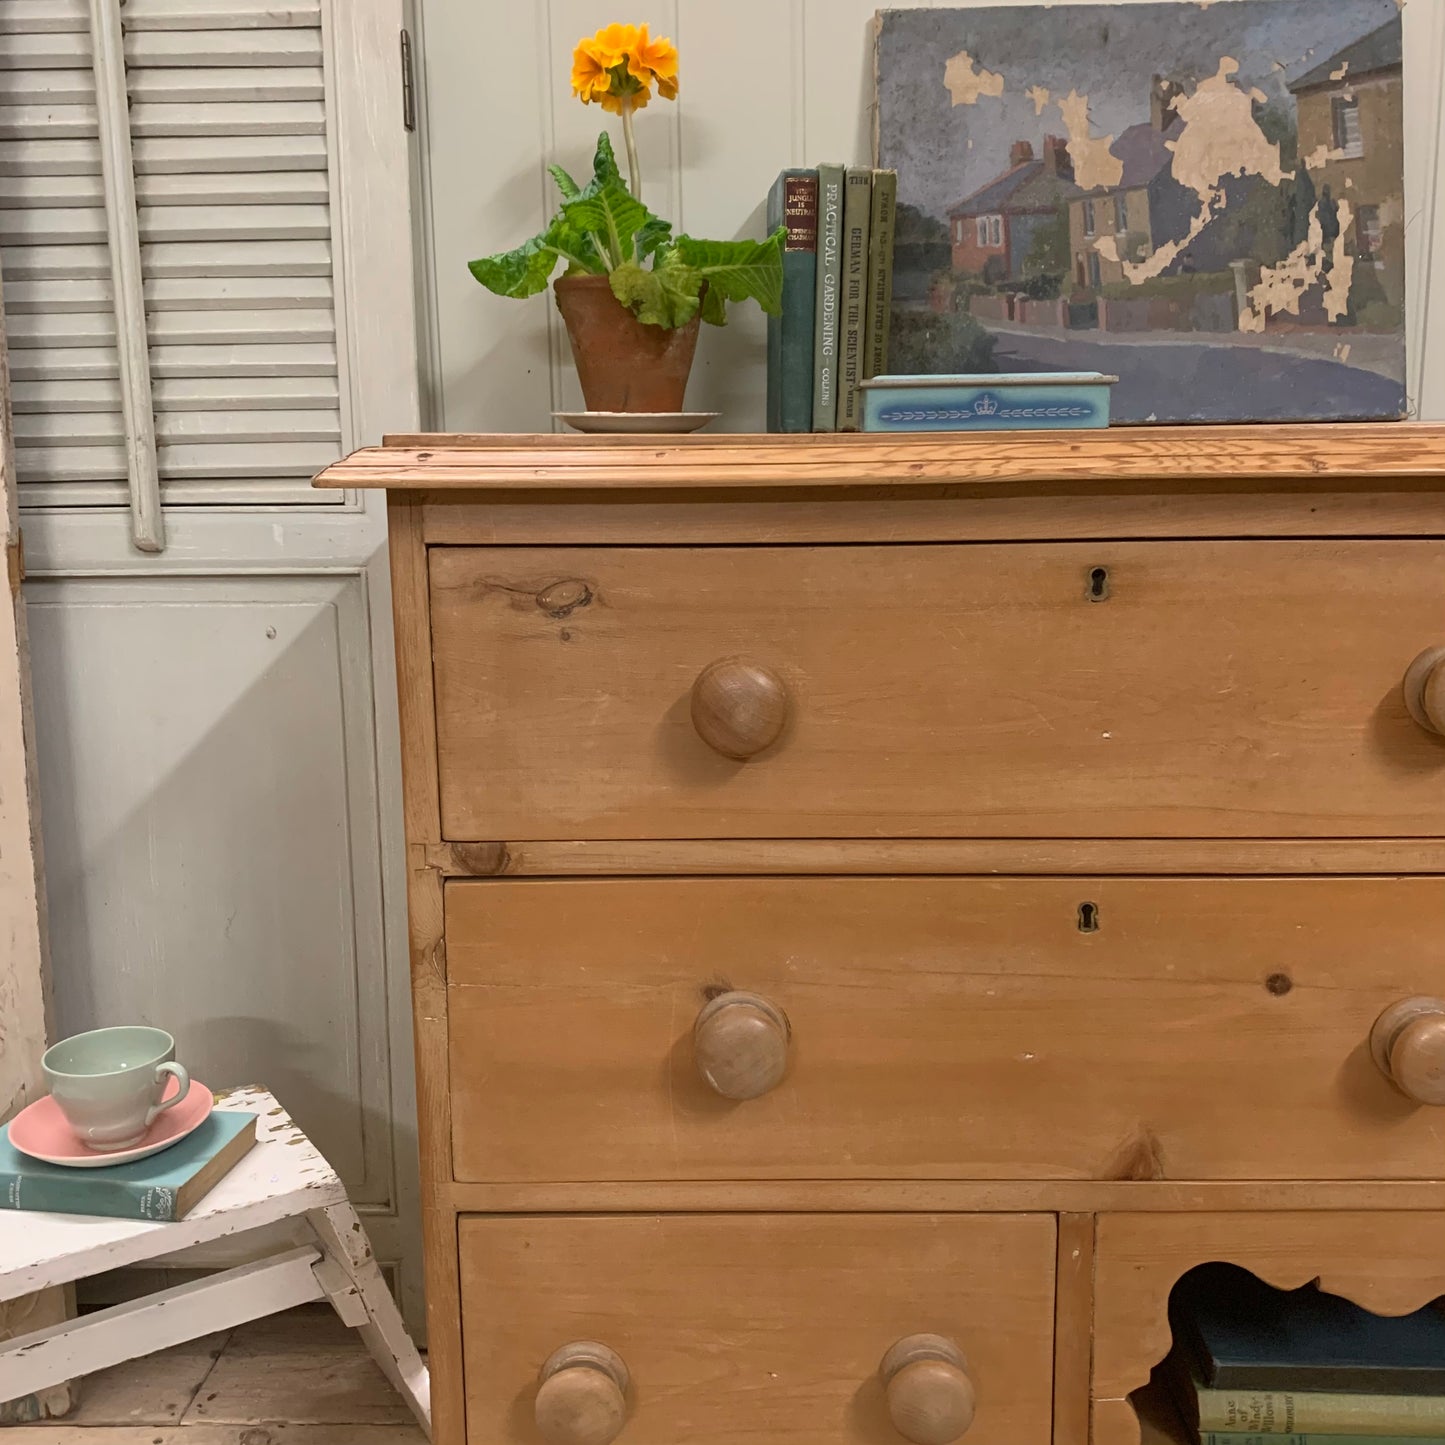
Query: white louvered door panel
[
  {"x": 228, "y": 128},
  {"x": 228, "y": 121},
  {"x": 54, "y": 258}
]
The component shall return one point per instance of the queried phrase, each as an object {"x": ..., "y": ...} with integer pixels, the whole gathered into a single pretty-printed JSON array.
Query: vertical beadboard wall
[{"x": 765, "y": 84}]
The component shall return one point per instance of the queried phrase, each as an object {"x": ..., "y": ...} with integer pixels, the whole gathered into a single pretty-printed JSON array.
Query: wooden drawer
[
  {"x": 940, "y": 1028},
  {"x": 1212, "y": 689},
  {"x": 758, "y": 1327},
  {"x": 1389, "y": 1262}
]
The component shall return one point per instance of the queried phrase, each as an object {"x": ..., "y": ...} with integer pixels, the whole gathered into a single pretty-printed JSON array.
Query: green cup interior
[{"x": 108, "y": 1051}]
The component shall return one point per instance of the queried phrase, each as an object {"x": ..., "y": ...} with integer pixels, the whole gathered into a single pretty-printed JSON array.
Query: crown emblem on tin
[{"x": 986, "y": 405}]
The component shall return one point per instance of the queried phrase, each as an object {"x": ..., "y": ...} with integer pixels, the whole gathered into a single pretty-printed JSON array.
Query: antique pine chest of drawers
[{"x": 883, "y": 912}]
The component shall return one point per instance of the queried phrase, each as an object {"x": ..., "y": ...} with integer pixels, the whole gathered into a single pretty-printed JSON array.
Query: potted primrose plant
[{"x": 633, "y": 294}]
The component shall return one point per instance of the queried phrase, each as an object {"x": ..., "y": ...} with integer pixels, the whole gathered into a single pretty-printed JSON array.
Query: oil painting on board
[{"x": 1205, "y": 200}]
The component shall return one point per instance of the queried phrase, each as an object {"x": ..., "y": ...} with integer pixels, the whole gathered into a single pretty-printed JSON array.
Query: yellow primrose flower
[
  {"x": 613, "y": 42},
  {"x": 649, "y": 60},
  {"x": 591, "y": 79},
  {"x": 638, "y": 99}
]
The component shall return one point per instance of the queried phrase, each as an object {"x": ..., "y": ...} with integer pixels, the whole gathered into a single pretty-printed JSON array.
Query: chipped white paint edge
[
  {"x": 283, "y": 1178},
  {"x": 123, "y": 231},
  {"x": 159, "y": 1321},
  {"x": 383, "y": 1331}
]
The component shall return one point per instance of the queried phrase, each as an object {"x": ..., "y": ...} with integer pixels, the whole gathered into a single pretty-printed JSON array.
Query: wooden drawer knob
[
  {"x": 582, "y": 1397},
  {"x": 738, "y": 707},
  {"x": 1408, "y": 1044},
  {"x": 1425, "y": 690},
  {"x": 740, "y": 1041},
  {"x": 930, "y": 1394}
]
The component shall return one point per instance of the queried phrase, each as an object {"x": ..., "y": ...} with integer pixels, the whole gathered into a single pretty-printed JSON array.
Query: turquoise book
[
  {"x": 826, "y": 317},
  {"x": 793, "y": 202},
  {"x": 163, "y": 1188},
  {"x": 1245, "y": 1335}
]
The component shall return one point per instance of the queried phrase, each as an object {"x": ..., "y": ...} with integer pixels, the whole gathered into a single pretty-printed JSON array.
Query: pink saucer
[{"x": 40, "y": 1131}]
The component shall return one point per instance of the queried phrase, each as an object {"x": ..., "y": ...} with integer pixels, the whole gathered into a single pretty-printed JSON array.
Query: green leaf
[
  {"x": 526, "y": 271},
  {"x": 714, "y": 307},
  {"x": 613, "y": 215},
  {"x": 522, "y": 272},
  {"x": 604, "y": 163},
  {"x": 665, "y": 296},
  {"x": 737, "y": 271},
  {"x": 565, "y": 183},
  {"x": 656, "y": 234}
]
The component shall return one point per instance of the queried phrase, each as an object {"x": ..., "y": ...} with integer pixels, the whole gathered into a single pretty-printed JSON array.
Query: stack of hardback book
[
  {"x": 837, "y": 294},
  {"x": 1252, "y": 1365}
]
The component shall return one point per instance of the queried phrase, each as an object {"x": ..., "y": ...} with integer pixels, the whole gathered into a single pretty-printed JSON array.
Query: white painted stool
[{"x": 282, "y": 1178}]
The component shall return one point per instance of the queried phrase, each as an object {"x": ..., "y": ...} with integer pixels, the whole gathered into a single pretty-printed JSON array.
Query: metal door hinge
[{"x": 408, "y": 83}]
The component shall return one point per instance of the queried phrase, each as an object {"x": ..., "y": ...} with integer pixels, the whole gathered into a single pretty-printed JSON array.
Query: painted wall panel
[{"x": 208, "y": 787}]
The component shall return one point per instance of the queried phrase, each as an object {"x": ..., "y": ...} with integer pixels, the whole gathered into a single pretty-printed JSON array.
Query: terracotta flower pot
[{"x": 623, "y": 365}]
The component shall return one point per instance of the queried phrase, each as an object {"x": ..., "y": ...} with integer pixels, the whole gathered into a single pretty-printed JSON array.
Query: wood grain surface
[
  {"x": 763, "y": 1328},
  {"x": 1391, "y": 1263},
  {"x": 435, "y": 462},
  {"x": 942, "y": 1028},
  {"x": 1223, "y": 689}
]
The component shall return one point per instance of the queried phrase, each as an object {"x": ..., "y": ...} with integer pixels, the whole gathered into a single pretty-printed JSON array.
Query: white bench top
[{"x": 282, "y": 1177}]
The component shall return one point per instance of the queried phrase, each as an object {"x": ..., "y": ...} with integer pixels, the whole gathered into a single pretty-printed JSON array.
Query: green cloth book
[
  {"x": 163, "y": 1188},
  {"x": 793, "y": 202},
  {"x": 1290, "y": 1412},
  {"x": 857, "y": 207},
  {"x": 1278, "y": 1413},
  {"x": 826, "y": 316},
  {"x": 880, "y": 273},
  {"x": 1231, "y": 1437}
]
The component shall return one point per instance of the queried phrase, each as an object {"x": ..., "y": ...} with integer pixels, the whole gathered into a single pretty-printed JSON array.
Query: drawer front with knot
[
  {"x": 883, "y": 913},
  {"x": 1189, "y": 689},
  {"x": 900, "y": 1028}
]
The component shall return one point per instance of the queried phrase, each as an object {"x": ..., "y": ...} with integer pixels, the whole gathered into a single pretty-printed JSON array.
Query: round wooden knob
[
  {"x": 1408, "y": 1044},
  {"x": 1425, "y": 690},
  {"x": 740, "y": 1041},
  {"x": 930, "y": 1394},
  {"x": 739, "y": 707},
  {"x": 582, "y": 1397}
]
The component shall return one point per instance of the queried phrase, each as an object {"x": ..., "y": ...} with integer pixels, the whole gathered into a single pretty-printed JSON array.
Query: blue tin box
[{"x": 1046, "y": 400}]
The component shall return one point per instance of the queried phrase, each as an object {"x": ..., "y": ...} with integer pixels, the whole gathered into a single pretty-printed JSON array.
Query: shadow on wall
[{"x": 211, "y": 839}]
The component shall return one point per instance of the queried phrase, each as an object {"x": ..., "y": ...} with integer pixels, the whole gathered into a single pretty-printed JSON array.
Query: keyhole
[
  {"x": 1088, "y": 918},
  {"x": 1099, "y": 584}
]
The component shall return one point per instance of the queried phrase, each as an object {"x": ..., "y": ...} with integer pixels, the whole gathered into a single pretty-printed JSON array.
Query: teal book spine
[
  {"x": 793, "y": 203},
  {"x": 1230, "y": 1437},
  {"x": 151, "y": 1189},
  {"x": 826, "y": 315},
  {"x": 857, "y": 205},
  {"x": 880, "y": 267}
]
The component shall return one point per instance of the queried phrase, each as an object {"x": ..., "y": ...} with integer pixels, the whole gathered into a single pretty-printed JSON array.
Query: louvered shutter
[
  {"x": 228, "y": 128},
  {"x": 53, "y": 255}
]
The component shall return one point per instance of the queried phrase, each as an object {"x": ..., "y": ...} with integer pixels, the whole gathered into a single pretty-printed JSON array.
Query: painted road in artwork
[{"x": 1219, "y": 381}]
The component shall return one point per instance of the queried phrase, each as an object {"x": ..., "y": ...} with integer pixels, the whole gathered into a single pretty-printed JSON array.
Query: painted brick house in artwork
[
  {"x": 1147, "y": 209},
  {"x": 1351, "y": 110},
  {"x": 992, "y": 231}
]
